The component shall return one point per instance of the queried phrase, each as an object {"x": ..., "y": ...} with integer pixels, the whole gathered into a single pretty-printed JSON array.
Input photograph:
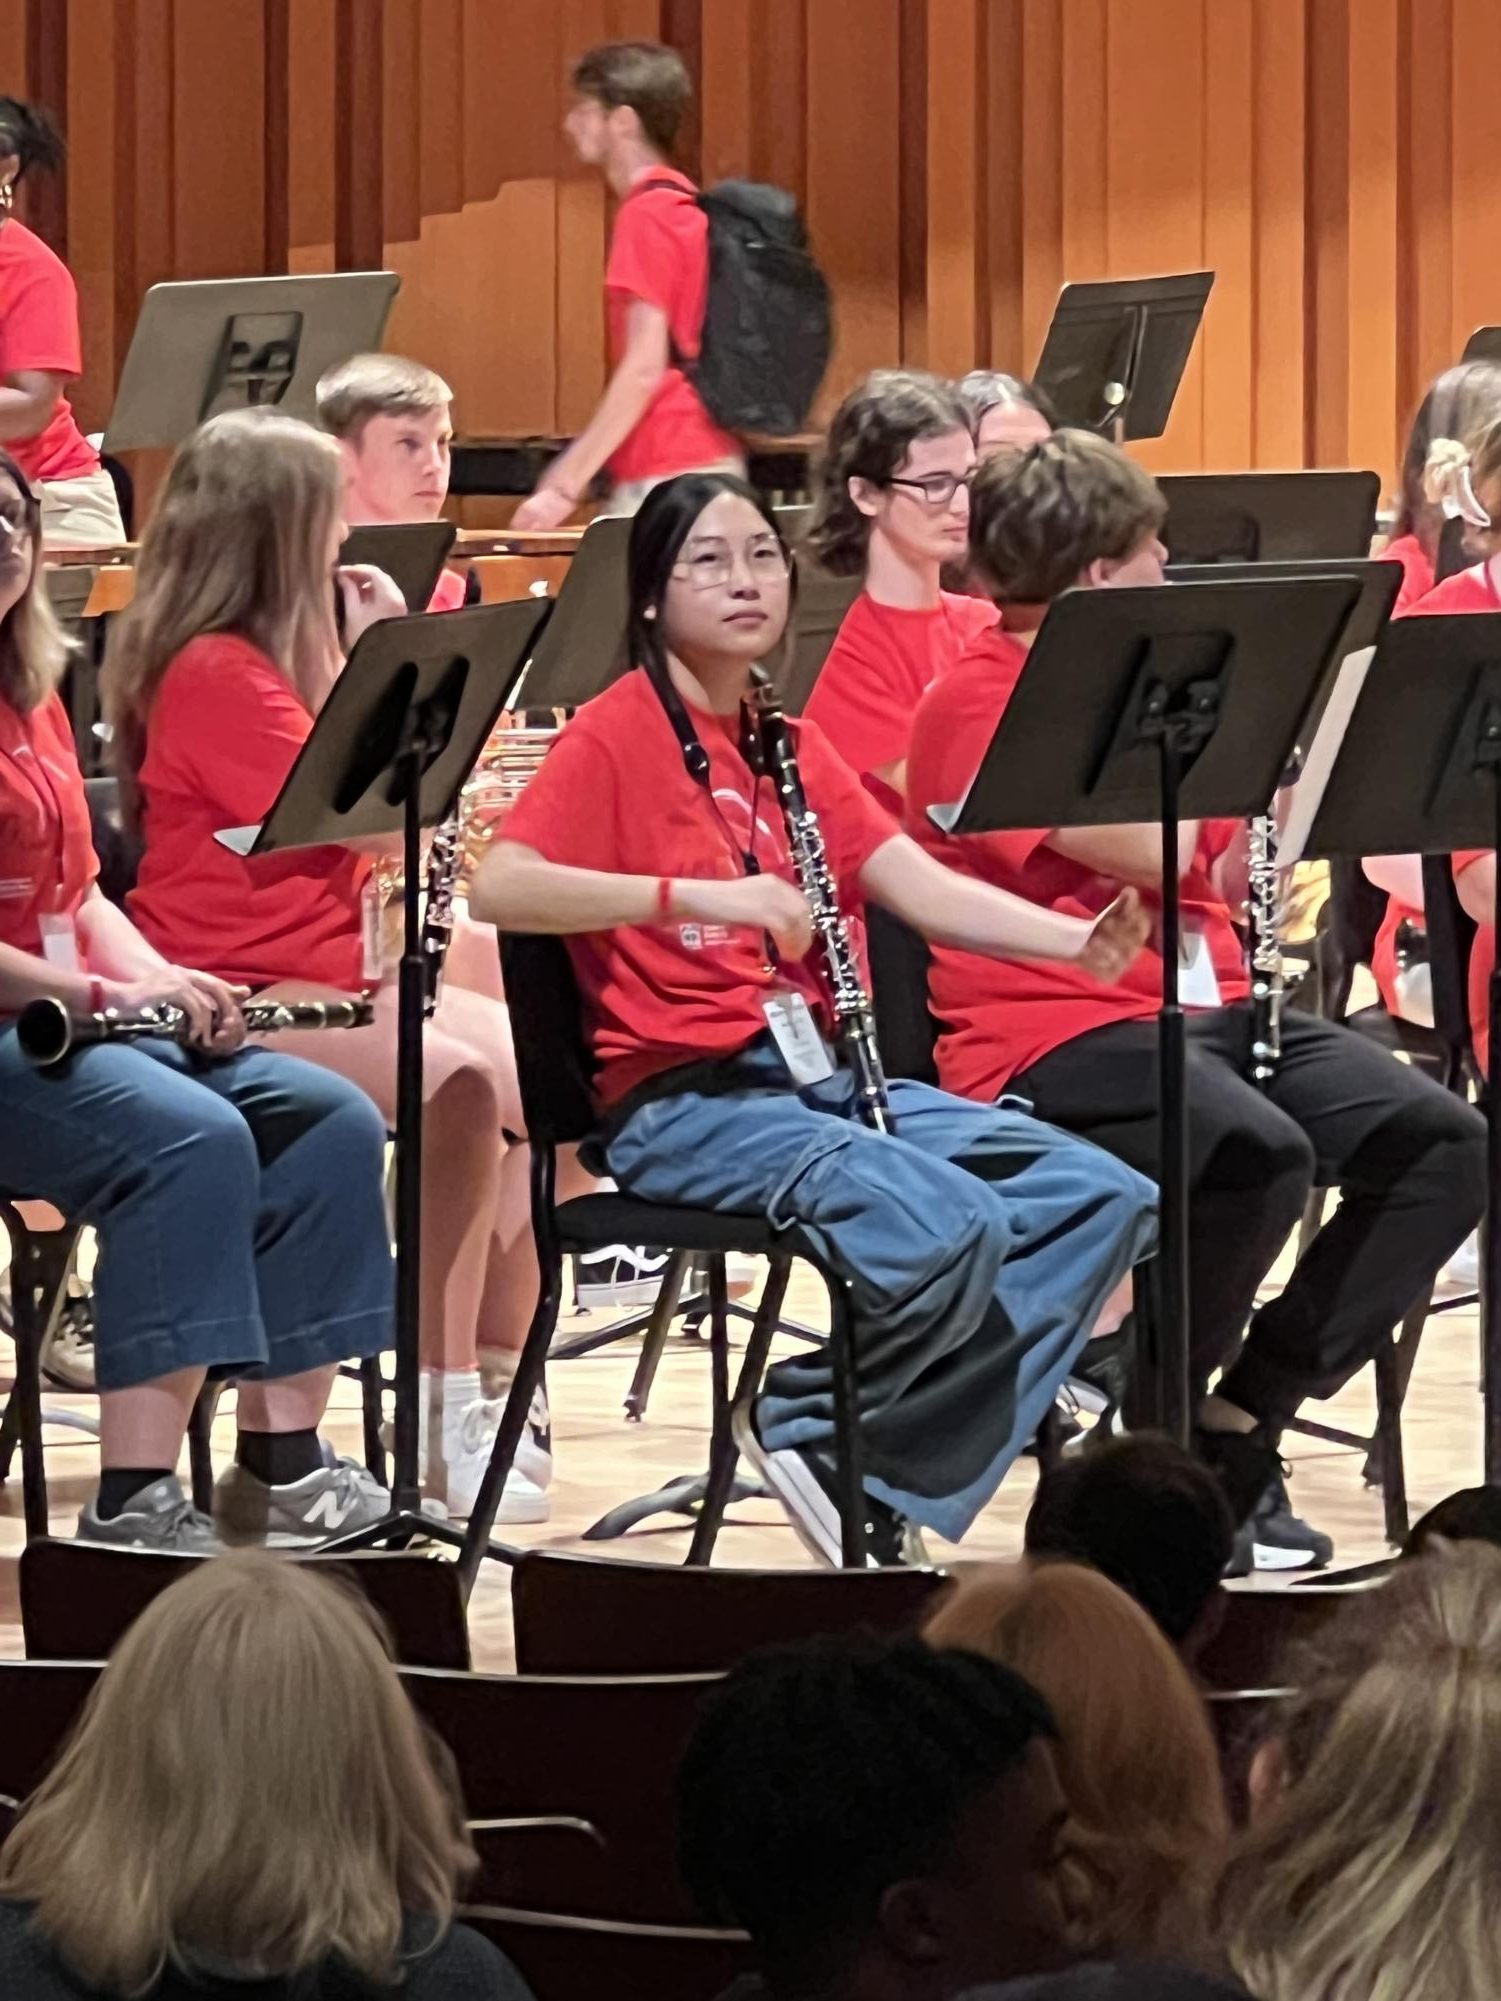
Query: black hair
[
  {"x": 657, "y": 536},
  {"x": 28, "y": 132},
  {"x": 821, "y": 1774},
  {"x": 1471, "y": 1515},
  {"x": 1147, "y": 1515}
]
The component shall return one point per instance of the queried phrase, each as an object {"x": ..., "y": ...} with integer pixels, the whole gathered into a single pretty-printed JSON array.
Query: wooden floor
[{"x": 601, "y": 1460}]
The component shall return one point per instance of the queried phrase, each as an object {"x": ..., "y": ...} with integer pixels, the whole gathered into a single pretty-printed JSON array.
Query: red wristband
[
  {"x": 96, "y": 995},
  {"x": 665, "y": 887}
]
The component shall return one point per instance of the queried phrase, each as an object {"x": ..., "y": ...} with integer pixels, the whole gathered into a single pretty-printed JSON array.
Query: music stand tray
[
  {"x": 411, "y": 553},
  {"x": 1419, "y": 772},
  {"x": 213, "y": 344},
  {"x": 1155, "y": 704},
  {"x": 400, "y": 732},
  {"x": 1261, "y": 517},
  {"x": 1116, "y": 351}
]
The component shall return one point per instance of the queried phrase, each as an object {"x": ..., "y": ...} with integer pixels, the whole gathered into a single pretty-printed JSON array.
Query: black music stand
[
  {"x": 392, "y": 747},
  {"x": 1155, "y": 704},
  {"x": 1419, "y": 772},
  {"x": 581, "y": 648},
  {"x": 411, "y": 553},
  {"x": 1262, "y": 517},
  {"x": 1116, "y": 351}
]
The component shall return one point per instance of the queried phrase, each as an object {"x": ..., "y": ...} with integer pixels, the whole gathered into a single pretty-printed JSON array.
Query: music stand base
[{"x": 679, "y": 1497}]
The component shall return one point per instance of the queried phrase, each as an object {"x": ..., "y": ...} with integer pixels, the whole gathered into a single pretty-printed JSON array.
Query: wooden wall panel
[{"x": 958, "y": 161}]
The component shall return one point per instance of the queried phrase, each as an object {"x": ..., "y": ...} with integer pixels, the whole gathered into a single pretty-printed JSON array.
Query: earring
[{"x": 7, "y": 196}]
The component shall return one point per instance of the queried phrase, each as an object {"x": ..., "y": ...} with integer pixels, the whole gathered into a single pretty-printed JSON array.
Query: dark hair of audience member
[
  {"x": 1148, "y": 1515},
  {"x": 1471, "y": 1515},
  {"x": 853, "y": 1802}
]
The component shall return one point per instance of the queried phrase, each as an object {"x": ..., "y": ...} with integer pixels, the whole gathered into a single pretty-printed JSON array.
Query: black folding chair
[{"x": 553, "y": 1070}]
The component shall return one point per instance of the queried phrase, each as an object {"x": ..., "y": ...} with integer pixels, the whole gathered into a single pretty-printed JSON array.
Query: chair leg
[
  {"x": 1313, "y": 1218},
  {"x": 847, "y": 1470},
  {"x": 1389, "y": 1393},
  {"x": 1398, "y": 1367},
  {"x": 657, "y": 1330},
  {"x": 201, "y": 1448},
  {"x": 26, "y": 1397},
  {"x": 724, "y": 1456},
  {"x": 372, "y": 1401}
]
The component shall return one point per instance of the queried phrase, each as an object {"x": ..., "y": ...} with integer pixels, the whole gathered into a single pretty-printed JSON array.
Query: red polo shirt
[
  {"x": 39, "y": 330},
  {"x": 659, "y": 252},
  {"x": 1002, "y": 1015},
  {"x": 613, "y": 794},
  {"x": 882, "y": 660},
  {"x": 47, "y": 863},
  {"x": 223, "y": 733}
]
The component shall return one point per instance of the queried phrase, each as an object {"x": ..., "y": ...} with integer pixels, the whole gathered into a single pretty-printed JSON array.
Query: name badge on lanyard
[
  {"x": 1198, "y": 983},
  {"x": 60, "y": 942},
  {"x": 795, "y": 1033}
]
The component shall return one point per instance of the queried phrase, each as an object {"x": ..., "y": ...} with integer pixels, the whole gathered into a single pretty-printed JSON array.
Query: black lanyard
[{"x": 696, "y": 762}]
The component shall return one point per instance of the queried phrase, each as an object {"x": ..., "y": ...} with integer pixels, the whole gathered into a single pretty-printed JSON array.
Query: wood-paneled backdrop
[{"x": 1334, "y": 160}]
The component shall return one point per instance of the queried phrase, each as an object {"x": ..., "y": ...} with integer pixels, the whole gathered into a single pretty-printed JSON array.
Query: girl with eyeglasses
[
  {"x": 978, "y": 1244},
  {"x": 237, "y": 1194},
  {"x": 893, "y": 508}
]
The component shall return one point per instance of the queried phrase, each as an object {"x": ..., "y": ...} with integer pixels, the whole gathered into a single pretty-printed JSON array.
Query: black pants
[{"x": 1407, "y": 1157}]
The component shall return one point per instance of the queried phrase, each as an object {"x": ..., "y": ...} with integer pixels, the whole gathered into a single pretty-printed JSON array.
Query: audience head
[
  {"x": 883, "y": 1818},
  {"x": 243, "y": 539},
  {"x": 627, "y": 95},
  {"x": 1471, "y": 1515},
  {"x": 896, "y": 471},
  {"x": 28, "y": 138},
  {"x": 391, "y": 418},
  {"x": 1372, "y": 1867},
  {"x": 1005, "y": 411},
  {"x": 709, "y": 576},
  {"x": 1128, "y": 1980},
  {"x": 1149, "y": 1516},
  {"x": 33, "y": 651},
  {"x": 248, "y": 1785},
  {"x": 1138, "y": 1764},
  {"x": 1072, "y": 511},
  {"x": 1452, "y": 419}
]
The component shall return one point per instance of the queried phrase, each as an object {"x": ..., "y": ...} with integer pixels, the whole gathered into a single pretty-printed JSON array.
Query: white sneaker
[
  {"x": 469, "y": 1439},
  {"x": 619, "y": 1275},
  {"x": 1462, "y": 1272}
]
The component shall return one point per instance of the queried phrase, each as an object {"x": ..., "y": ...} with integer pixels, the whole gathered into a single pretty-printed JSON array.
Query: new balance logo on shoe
[{"x": 329, "y": 1510}]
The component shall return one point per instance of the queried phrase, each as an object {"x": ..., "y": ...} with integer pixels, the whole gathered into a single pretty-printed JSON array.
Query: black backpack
[{"x": 768, "y": 326}]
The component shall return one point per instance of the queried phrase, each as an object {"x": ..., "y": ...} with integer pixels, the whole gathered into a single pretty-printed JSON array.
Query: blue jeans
[
  {"x": 979, "y": 1245},
  {"x": 239, "y": 1204}
]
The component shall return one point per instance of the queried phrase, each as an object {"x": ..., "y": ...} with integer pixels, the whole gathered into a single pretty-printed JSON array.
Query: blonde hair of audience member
[
  {"x": 1461, "y": 405},
  {"x": 1372, "y": 1868},
  {"x": 248, "y": 1783},
  {"x": 33, "y": 651},
  {"x": 1137, "y": 1760},
  {"x": 243, "y": 540}
]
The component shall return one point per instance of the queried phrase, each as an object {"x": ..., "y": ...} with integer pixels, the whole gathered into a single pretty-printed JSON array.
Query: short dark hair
[
  {"x": 1147, "y": 1515},
  {"x": 645, "y": 77},
  {"x": 1471, "y": 1515},
  {"x": 873, "y": 430},
  {"x": 1039, "y": 518},
  {"x": 28, "y": 132},
  {"x": 658, "y": 532},
  {"x": 821, "y": 1774}
]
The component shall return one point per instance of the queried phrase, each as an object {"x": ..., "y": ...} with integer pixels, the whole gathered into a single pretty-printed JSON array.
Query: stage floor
[{"x": 602, "y": 1460}]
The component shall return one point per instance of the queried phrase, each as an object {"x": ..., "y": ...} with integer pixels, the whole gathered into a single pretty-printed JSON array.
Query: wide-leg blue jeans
[{"x": 980, "y": 1245}]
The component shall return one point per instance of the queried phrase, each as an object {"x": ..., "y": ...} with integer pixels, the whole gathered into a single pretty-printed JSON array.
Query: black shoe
[
  {"x": 804, "y": 1484},
  {"x": 1244, "y": 1462},
  {"x": 1280, "y": 1539}
]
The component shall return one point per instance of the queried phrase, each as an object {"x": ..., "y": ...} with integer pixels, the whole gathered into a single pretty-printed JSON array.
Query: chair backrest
[
  {"x": 1258, "y": 1627},
  {"x": 905, "y": 1028},
  {"x": 1242, "y": 1719},
  {"x": 578, "y": 1615},
  {"x": 1451, "y": 934},
  {"x": 547, "y": 1028},
  {"x": 822, "y": 601},
  {"x": 1356, "y": 909},
  {"x": 40, "y": 1701},
  {"x": 603, "y": 1750},
  {"x": 77, "y": 1598},
  {"x": 118, "y": 849},
  {"x": 584, "y": 1959}
]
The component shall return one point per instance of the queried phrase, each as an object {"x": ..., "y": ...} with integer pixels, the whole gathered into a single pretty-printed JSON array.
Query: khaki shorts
[{"x": 81, "y": 513}]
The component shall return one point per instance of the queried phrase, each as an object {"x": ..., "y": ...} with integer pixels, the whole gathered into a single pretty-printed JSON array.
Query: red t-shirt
[
  {"x": 39, "y": 330},
  {"x": 613, "y": 794},
  {"x": 223, "y": 733},
  {"x": 882, "y": 660},
  {"x": 1467, "y": 590},
  {"x": 1417, "y": 571},
  {"x": 1002, "y": 1015},
  {"x": 47, "y": 862},
  {"x": 659, "y": 252},
  {"x": 448, "y": 591},
  {"x": 1482, "y": 960}
]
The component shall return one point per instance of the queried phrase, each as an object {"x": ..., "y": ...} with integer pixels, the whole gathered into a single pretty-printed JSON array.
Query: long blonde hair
[
  {"x": 33, "y": 651},
  {"x": 238, "y": 543},
  {"x": 1377, "y": 1875},
  {"x": 248, "y": 1783},
  {"x": 1136, "y": 1756}
]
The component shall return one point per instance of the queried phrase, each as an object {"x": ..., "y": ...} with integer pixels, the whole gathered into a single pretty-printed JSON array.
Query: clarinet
[
  {"x": 437, "y": 914},
  {"x": 1262, "y": 915},
  {"x": 853, "y": 1016},
  {"x": 47, "y": 1032}
]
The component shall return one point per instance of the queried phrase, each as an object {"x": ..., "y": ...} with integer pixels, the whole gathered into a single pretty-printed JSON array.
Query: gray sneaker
[
  {"x": 160, "y": 1517},
  {"x": 334, "y": 1501}
]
